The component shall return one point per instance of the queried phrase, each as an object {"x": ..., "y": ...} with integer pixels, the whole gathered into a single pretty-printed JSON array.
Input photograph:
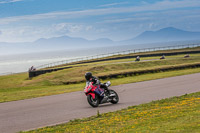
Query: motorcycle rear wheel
[
  {"x": 93, "y": 102},
  {"x": 115, "y": 99}
]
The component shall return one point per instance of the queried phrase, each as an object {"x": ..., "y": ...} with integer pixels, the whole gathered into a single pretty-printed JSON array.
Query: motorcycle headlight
[
  {"x": 89, "y": 89},
  {"x": 108, "y": 83}
]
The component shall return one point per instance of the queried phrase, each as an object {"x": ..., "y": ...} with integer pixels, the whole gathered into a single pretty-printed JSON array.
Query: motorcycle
[
  {"x": 96, "y": 95},
  {"x": 137, "y": 58}
]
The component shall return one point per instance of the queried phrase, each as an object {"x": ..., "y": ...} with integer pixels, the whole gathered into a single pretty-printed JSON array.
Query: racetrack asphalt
[{"x": 51, "y": 110}]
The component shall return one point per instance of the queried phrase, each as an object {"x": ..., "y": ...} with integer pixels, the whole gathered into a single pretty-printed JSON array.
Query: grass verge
[
  {"x": 177, "y": 114},
  {"x": 26, "y": 92}
]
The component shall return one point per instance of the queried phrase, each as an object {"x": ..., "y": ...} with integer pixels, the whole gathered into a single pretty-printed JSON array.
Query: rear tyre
[
  {"x": 115, "y": 97},
  {"x": 93, "y": 102}
]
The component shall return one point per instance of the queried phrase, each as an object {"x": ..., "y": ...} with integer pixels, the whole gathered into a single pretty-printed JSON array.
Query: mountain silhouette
[
  {"x": 72, "y": 42},
  {"x": 165, "y": 35}
]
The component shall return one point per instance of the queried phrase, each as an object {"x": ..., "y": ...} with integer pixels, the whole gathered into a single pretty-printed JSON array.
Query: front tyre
[
  {"x": 115, "y": 97},
  {"x": 93, "y": 102}
]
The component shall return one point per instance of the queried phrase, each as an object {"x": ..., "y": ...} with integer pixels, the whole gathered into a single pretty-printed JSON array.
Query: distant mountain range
[
  {"x": 71, "y": 42},
  {"x": 168, "y": 34},
  {"x": 163, "y": 35}
]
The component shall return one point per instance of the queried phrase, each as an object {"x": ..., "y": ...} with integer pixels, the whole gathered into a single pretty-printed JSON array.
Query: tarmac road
[{"x": 51, "y": 110}]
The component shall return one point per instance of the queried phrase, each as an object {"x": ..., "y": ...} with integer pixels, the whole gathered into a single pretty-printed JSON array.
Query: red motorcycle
[{"x": 96, "y": 95}]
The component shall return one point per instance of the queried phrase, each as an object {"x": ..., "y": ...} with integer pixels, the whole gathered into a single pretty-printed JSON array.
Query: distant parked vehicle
[{"x": 96, "y": 95}]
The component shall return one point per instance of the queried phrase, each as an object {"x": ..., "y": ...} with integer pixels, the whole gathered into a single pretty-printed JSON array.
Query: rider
[
  {"x": 137, "y": 58},
  {"x": 89, "y": 78}
]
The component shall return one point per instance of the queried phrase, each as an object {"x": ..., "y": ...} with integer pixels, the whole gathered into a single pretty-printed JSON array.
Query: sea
[{"x": 18, "y": 63}]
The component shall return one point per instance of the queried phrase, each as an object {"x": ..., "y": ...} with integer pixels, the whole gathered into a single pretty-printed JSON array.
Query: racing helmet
[{"x": 88, "y": 75}]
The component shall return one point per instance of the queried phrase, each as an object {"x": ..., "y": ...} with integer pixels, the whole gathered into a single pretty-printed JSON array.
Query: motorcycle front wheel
[
  {"x": 115, "y": 97},
  {"x": 93, "y": 102}
]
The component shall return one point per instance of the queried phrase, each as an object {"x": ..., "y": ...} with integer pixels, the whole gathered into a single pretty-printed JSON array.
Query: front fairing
[{"x": 90, "y": 88}]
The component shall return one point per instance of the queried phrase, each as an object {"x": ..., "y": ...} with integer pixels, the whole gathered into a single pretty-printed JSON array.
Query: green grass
[
  {"x": 172, "y": 115},
  {"x": 19, "y": 93},
  {"x": 18, "y": 86}
]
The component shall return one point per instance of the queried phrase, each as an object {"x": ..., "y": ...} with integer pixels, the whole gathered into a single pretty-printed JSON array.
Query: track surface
[{"x": 50, "y": 110}]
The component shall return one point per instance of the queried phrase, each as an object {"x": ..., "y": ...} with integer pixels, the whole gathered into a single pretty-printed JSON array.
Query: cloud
[
  {"x": 122, "y": 21},
  {"x": 68, "y": 27},
  {"x": 159, "y": 6},
  {"x": 166, "y": 15},
  {"x": 114, "y": 4},
  {"x": 24, "y": 33},
  {"x": 9, "y": 1},
  {"x": 72, "y": 29},
  {"x": 32, "y": 33}
]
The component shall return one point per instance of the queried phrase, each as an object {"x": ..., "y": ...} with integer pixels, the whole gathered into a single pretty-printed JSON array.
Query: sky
[{"x": 29, "y": 20}]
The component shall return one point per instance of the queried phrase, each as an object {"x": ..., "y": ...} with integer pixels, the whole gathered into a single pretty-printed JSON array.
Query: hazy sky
[{"x": 29, "y": 20}]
